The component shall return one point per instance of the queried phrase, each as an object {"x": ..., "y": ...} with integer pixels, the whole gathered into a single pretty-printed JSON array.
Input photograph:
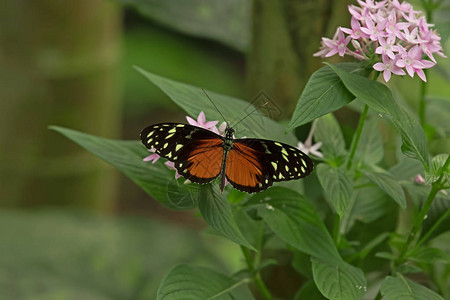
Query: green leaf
[
  {"x": 295, "y": 221},
  {"x": 192, "y": 100},
  {"x": 329, "y": 133},
  {"x": 395, "y": 288},
  {"x": 323, "y": 93},
  {"x": 216, "y": 211},
  {"x": 437, "y": 163},
  {"x": 429, "y": 255},
  {"x": 379, "y": 98},
  {"x": 339, "y": 282},
  {"x": 370, "y": 204},
  {"x": 202, "y": 19},
  {"x": 337, "y": 185},
  {"x": 370, "y": 147},
  {"x": 309, "y": 291},
  {"x": 388, "y": 184},
  {"x": 189, "y": 282},
  {"x": 155, "y": 179}
]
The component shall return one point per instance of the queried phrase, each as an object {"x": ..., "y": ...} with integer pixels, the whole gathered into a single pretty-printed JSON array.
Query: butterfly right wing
[
  {"x": 253, "y": 165},
  {"x": 197, "y": 153}
]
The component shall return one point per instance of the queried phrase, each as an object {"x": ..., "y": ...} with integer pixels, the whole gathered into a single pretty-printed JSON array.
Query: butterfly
[{"x": 249, "y": 165}]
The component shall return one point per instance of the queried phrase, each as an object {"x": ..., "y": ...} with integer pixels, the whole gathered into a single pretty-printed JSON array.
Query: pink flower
[
  {"x": 404, "y": 6},
  {"x": 375, "y": 31},
  {"x": 393, "y": 28},
  {"x": 388, "y": 28},
  {"x": 419, "y": 179},
  {"x": 371, "y": 4},
  {"x": 388, "y": 67},
  {"x": 411, "y": 62},
  {"x": 338, "y": 44},
  {"x": 386, "y": 47},
  {"x": 201, "y": 121},
  {"x": 308, "y": 147},
  {"x": 152, "y": 157},
  {"x": 355, "y": 32},
  {"x": 410, "y": 37}
]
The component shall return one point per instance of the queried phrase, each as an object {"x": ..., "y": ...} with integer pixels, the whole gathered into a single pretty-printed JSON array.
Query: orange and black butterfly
[{"x": 250, "y": 165}]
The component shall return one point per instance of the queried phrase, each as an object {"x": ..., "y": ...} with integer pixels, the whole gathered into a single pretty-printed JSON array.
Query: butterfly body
[{"x": 250, "y": 165}]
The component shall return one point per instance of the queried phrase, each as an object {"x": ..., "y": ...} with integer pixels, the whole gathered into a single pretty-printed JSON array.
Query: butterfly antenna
[
  {"x": 214, "y": 106},
  {"x": 249, "y": 114}
]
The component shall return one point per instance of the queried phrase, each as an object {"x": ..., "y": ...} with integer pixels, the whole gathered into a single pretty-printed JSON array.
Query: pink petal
[
  {"x": 427, "y": 64},
  {"x": 210, "y": 124},
  {"x": 153, "y": 157},
  {"x": 379, "y": 66},
  {"x": 387, "y": 75},
  {"x": 331, "y": 53},
  {"x": 191, "y": 121},
  {"x": 170, "y": 165},
  {"x": 410, "y": 70},
  {"x": 401, "y": 63},
  {"x": 421, "y": 74},
  {"x": 201, "y": 118},
  {"x": 398, "y": 71}
]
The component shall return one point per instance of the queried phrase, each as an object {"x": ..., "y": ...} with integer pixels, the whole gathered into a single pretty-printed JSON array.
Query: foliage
[
  {"x": 345, "y": 228},
  {"x": 352, "y": 179}
]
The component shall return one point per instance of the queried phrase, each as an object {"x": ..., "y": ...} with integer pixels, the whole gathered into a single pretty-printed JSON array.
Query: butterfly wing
[
  {"x": 254, "y": 164},
  {"x": 197, "y": 153}
]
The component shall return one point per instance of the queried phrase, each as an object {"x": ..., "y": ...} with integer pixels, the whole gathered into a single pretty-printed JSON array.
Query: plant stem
[
  {"x": 357, "y": 136},
  {"x": 417, "y": 223},
  {"x": 252, "y": 265},
  {"x": 417, "y": 226},
  {"x": 433, "y": 228},
  {"x": 422, "y": 103}
]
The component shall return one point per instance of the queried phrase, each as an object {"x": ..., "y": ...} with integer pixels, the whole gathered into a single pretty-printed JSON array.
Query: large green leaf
[
  {"x": 324, "y": 93},
  {"x": 370, "y": 146},
  {"x": 329, "y": 133},
  {"x": 186, "y": 282},
  {"x": 401, "y": 288},
  {"x": 216, "y": 210},
  {"x": 369, "y": 205},
  {"x": 379, "y": 98},
  {"x": 337, "y": 185},
  {"x": 225, "y": 21},
  {"x": 192, "y": 100},
  {"x": 339, "y": 282},
  {"x": 155, "y": 179},
  {"x": 388, "y": 184},
  {"x": 295, "y": 221},
  {"x": 309, "y": 291}
]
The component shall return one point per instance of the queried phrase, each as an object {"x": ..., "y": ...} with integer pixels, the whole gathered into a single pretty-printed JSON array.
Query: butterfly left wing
[
  {"x": 196, "y": 152},
  {"x": 254, "y": 164}
]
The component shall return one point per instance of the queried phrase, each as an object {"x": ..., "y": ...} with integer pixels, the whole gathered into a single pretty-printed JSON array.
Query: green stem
[
  {"x": 432, "y": 229},
  {"x": 252, "y": 265},
  {"x": 422, "y": 103},
  {"x": 418, "y": 223},
  {"x": 417, "y": 226},
  {"x": 357, "y": 136}
]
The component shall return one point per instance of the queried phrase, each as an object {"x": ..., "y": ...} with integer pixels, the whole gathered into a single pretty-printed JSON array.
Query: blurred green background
[{"x": 72, "y": 227}]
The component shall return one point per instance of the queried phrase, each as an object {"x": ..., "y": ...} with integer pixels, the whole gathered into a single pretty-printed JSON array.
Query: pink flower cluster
[{"x": 400, "y": 36}]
